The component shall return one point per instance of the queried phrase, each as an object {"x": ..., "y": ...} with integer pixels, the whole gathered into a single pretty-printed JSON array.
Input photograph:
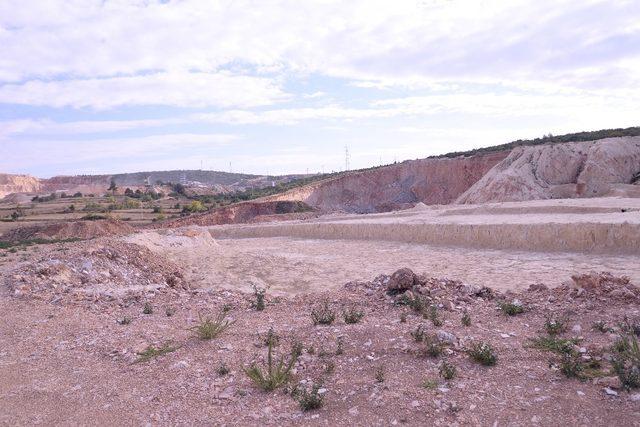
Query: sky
[{"x": 274, "y": 87}]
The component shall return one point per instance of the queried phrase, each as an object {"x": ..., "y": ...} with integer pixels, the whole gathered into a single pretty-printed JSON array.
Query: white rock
[{"x": 610, "y": 392}]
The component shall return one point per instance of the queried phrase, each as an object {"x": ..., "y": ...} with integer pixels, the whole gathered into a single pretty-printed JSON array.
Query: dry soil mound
[
  {"x": 69, "y": 230},
  {"x": 577, "y": 169},
  {"x": 95, "y": 269}
]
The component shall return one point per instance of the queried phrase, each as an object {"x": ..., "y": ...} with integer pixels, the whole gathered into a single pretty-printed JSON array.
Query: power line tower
[{"x": 347, "y": 158}]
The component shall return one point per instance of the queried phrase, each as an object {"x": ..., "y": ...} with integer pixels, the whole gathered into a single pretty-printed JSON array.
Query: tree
[{"x": 113, "y": 187}]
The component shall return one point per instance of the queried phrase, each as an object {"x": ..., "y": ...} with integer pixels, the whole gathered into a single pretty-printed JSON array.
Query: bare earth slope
[
  {"x": 430, "y": 181},
  {"x": 18, "y": 184},
  {"x": 577, "y": 169}
]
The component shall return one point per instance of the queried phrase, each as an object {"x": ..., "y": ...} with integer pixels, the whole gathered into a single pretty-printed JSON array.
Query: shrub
[
  {"x": 447, "y": 370},
  {"x": 433, "y": 315},
  {"x": 626, "y": 361},
  {"x": 553, "y": 344},
  {"x": 554, "y": 325},
  {"x": 483, "y": 353},
  {"x": 148, "y": 308},
  {"x": 323, "y": 315},
  {"x": 275, "y": 374},
  {"x": 352, "y": 315},
  {"x": 432, "y": 346},
  {"x": 209, "y": 328},
  {"x": 258, "y": 294},
  {"x": 466, "y": 319},
  {"x": 419, "y": 333},
  {"x": 511, "y": 308},
  {"x": 223, "y": 369},
  {"x": 309, "y": 399},
  {"x": 380, "y": 374},
  {"x": 600, "y": 326}
]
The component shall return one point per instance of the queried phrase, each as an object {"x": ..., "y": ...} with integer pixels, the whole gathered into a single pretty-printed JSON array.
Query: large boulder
[{"x": 401, "y": 281}]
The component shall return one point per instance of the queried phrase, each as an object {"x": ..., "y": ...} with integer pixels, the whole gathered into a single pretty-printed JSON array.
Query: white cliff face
[
  {"x": 18, "y": 184},
  {"x": 578, "y": 169}
]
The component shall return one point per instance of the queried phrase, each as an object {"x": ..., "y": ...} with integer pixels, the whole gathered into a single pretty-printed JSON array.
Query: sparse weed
[
  {"x": 626, "y": 361},
  {"x": 352, "y": 315},
  {"x": 208, "y": 328},
  {"x": 227, "y": 307},
  {"x": 323, "y": 315},
  {"x": 483, "y": 353},
  {"x": 148, "y": 308},
  {"x": 555, "y": 325},
  {"x": 571, "y": 365},
  {"x": 447, "y": 370},
  {"x": 169, "y": 311},
  {"x": 419, "y": 333},
  {"x": 432, "y": 346},
  {"x": 432, "y": 314},
  {"x": 272, "y": 338},
  {"x": 330, "y": 368},
  {"x": 309, "y": 399},
  {"x": 296, "y": 348},
  {"x": 512, "y": 308},
  {"x": 151, "y": 352},
  {"x": 403, "y": 317},
  {"x": 339, "y": 346},
  {"x": 466, "y": 319},
  {"x": 223, "y": 369},
  {"x": 414, "y": 301},
  {"x": 259, "y": 295},
  {"x": 380, "y": 374},
  {"x": 430, "y": 384},
  {"x": 600, "y": 326},
  {"x": 124, "y": 321},
  {"x": 554, "y": 344},
  {"x": 275, "y": 374},
  {"x": 630, "y": 326}
]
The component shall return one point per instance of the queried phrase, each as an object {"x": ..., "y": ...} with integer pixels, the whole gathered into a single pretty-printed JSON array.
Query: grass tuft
[
  {"x": 209, "y": 328},
  {"x": 447, "y": 370},
  {"x": 152, "y": 352},
  {"x": 274, "y": 373},
  {"x": 323, "y": 315},
  {"x": 483, "y": 353}
]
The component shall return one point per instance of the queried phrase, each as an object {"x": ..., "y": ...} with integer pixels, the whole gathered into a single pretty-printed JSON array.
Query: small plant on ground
[
  {"x": 512, "y": 308},
  {"x": 124, "y": 321},
  {"x": 432, "y": 314},
  {"x": 432, "y": 346},
  {"x": 323, "y": 315},
  {"x": 380, "y": 373},
  {"x": 339, "y": 346},
  {"x": 419, "y": 333},
  {"x": 555, "y": 325},
  {"x": 274, "y": 373},
  {"x": 630, "y": 326},
  {"x": 227, "y": 307},
  {"x": 151, "y": 352},
  {"x": 554, "y": 344},
  {"x": 447, "y": 370},
  {"x": 430, "y": 384},
  {"x": 600, "y": 326},
  {"x": 223, "y": 369},
  {"x": 259, "y": 298},
  {"x": 271, "y": 338},
  {"x": 466, "y": 319},
  {"x": 169, "y": 311},
  {"x": 352, "y": 315},
  {"x": 148, "y": 308},
  {"x": 208, "y": 328},
  {"x": 403, "y": 317},
  {"x": 415, "y": 302},
  {"x": 626, "y": 361},
  {"x": 571, "y": 365},
  {"x": 483, "y": 353},
  {"x": 309, "y": 399}
]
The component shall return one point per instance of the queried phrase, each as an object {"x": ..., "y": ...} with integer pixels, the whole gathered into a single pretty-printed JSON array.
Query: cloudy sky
[{"x": 283, "y": 86}]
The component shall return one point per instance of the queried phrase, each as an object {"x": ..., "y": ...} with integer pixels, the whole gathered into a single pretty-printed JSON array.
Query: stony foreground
[{"x": 66, "y": 359}]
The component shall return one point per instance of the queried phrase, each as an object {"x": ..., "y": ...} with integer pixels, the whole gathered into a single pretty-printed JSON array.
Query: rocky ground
[{"x": 67, "y": 357}]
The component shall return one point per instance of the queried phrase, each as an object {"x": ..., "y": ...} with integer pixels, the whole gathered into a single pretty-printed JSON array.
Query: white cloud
[{"x": 182, "y": 89}]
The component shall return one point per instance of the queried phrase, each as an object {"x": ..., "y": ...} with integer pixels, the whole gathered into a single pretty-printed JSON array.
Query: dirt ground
[{"x": 78, "y": 315}]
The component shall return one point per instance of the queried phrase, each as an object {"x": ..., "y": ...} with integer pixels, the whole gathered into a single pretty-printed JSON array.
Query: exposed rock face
[
  {"x": 247, "y": 212},
  {"x": 68, "y": 230},
  {"x": 18, "y": 184},
  {"x": 578, "y": 169},
  {"x": 430, "y": 181}
]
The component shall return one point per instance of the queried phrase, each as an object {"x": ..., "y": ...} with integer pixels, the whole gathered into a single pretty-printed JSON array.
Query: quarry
[{"x": 494, "y": 288}]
